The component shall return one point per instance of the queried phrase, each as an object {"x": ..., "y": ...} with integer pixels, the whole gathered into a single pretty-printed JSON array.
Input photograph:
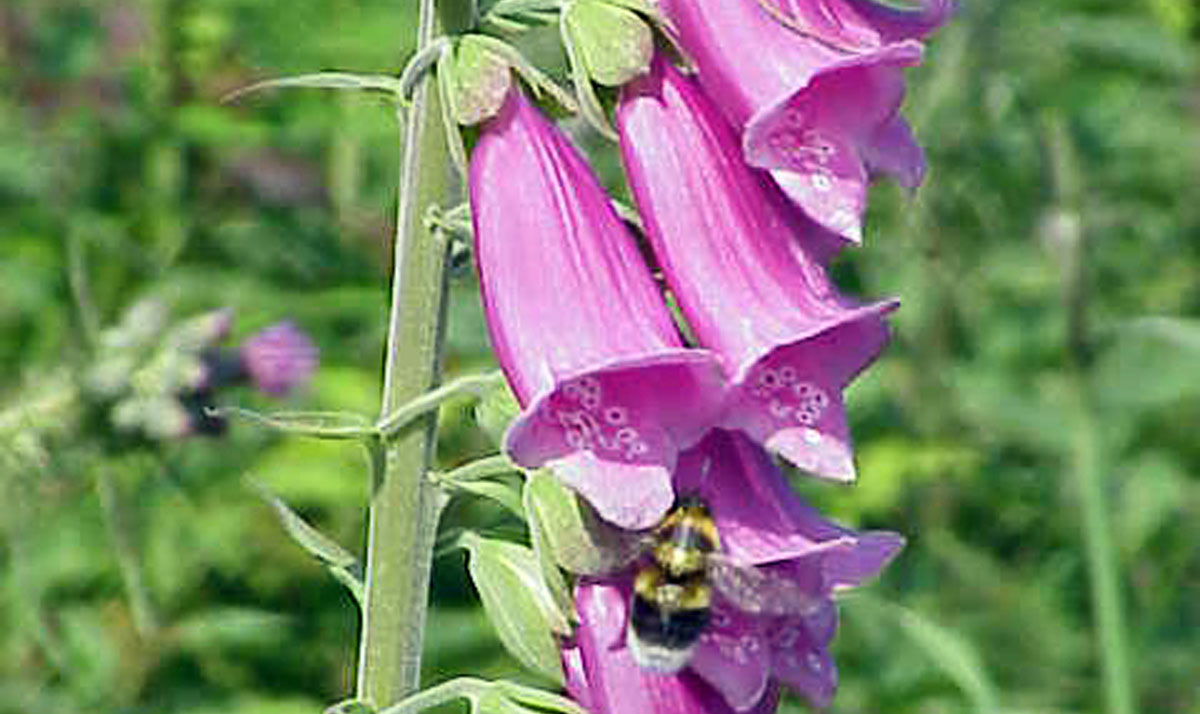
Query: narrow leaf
[
  {"x": 340, "y": 562},
  {"x": 957, "y": 659},
  {"x": 324, "y": 80},
  {"x": 322, "y": 425},
  {"x": 485, "y": 468},
  {"x": 497, "y": 491}
]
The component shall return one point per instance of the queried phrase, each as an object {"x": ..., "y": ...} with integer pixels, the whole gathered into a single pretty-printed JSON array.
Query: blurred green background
[{"x": 1049, "y": 337}]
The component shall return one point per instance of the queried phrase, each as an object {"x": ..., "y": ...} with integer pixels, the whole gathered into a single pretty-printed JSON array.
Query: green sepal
[
  {"x": 495, "y": 411},
  {"x": 589, "y": 104},
  {"x": 615, "y": 43},
  {"x": 579, "y": 540},
  {"x": 538, "y": 81},
  {"x": 545, "y": 553},
  {"x": 478, "y": 82},
  {"x": 516, "y": 599},
  {"x": 448, "y": 113}
]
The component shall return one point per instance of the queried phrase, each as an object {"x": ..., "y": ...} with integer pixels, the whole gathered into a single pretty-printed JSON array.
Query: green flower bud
[
  {"x": 479, "y": 82},
  {"x": 614, "y": 43}
]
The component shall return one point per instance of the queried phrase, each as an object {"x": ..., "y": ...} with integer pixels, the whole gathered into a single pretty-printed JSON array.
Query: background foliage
[{"x": 1049, "y": 269}]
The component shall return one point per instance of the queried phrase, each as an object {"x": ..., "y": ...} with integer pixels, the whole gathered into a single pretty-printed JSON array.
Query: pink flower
[
  {"x": 747, "y": 271},
  {"x": 279, "y": 358},
  {"x": 603, "y": 677},
  {"x": 817, "y": 95},
  {"x": 578, "y": 325},
  {"x": 742, "y": 656}
]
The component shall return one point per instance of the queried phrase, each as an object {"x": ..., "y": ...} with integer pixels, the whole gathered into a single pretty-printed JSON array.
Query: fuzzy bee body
[
  {"x": 671, "y": 595},
  {"x": 673, "y": 591}
]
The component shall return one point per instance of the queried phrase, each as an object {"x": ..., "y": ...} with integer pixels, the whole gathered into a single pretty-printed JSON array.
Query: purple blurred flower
[
  {"x": 579, "y": 326},
  {"x": 279, "y": 358},
  {"x": 741, "y": 656},
  {"x": 748, "y": 273},
  {"x": 817, "y": 94}
]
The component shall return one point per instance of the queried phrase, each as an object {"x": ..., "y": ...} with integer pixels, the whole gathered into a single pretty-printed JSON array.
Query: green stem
[
  {"x": 1086, "y": 451},
  {"x": 1102, "y": 558},
  {"x": 145, "y": 620},
  {"x": 404, "y": 504}
]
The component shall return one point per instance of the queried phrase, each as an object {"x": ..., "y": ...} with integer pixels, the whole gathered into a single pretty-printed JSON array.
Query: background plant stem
[
  {"x": 404, "y": 504},
  {"x": 1086, "y": 450}
]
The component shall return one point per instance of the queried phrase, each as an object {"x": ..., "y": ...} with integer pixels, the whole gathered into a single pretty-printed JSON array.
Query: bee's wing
[
  {"x": 611, "y": 553},
  {"x": 759, "y": 592}
]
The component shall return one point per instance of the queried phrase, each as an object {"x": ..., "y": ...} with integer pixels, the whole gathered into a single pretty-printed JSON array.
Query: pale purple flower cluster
[{"x": 749, "y": 178}]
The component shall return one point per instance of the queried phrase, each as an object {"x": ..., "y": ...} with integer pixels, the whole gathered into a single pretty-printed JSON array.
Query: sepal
[
  {"x": 577, "y": 539},
  {"x": 518, "y": 602},
  {"x": 614, "y": 42},
  {"x": 477, "y": 76}
]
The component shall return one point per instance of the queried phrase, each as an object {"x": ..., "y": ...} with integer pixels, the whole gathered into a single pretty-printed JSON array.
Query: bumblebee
[{"x": 673, "y": 590}]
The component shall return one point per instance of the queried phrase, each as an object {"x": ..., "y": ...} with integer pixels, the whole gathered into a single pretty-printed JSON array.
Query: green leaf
[
  {"x": 518, "y": 602},
  {"x": 340, "y": 563},
  {"x": 230, "y": 627},
  {"x": 322, "y": 425},
  {"x": 502, "y": 493},
  {"x": 551, "y": 573},
  {"x": 485, "y": 468},
  {"x": 324, "y": 80},
  {"x": 954, "y": 655},
  {"x": 580, "y": 541}
]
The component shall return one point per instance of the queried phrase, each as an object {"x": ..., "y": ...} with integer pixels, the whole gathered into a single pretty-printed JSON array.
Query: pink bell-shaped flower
[
  {"x": 815, "y": 86},
  {"x": 748, "y": 273},
  {"x": 579, "y": 326}
]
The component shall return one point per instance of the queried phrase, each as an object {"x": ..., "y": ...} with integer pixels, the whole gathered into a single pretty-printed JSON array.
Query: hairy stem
[{"x": 404, "y": 504}]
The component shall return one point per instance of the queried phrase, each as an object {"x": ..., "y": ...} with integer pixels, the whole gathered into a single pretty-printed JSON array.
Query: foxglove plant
[
  {"x": 624, "y": 411},
  {"x": 818, "y": 102},
  {"x": 579, "y": 327},
  {"x": 748, "y": 273},
  {"x": 742, "y": 656}
]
